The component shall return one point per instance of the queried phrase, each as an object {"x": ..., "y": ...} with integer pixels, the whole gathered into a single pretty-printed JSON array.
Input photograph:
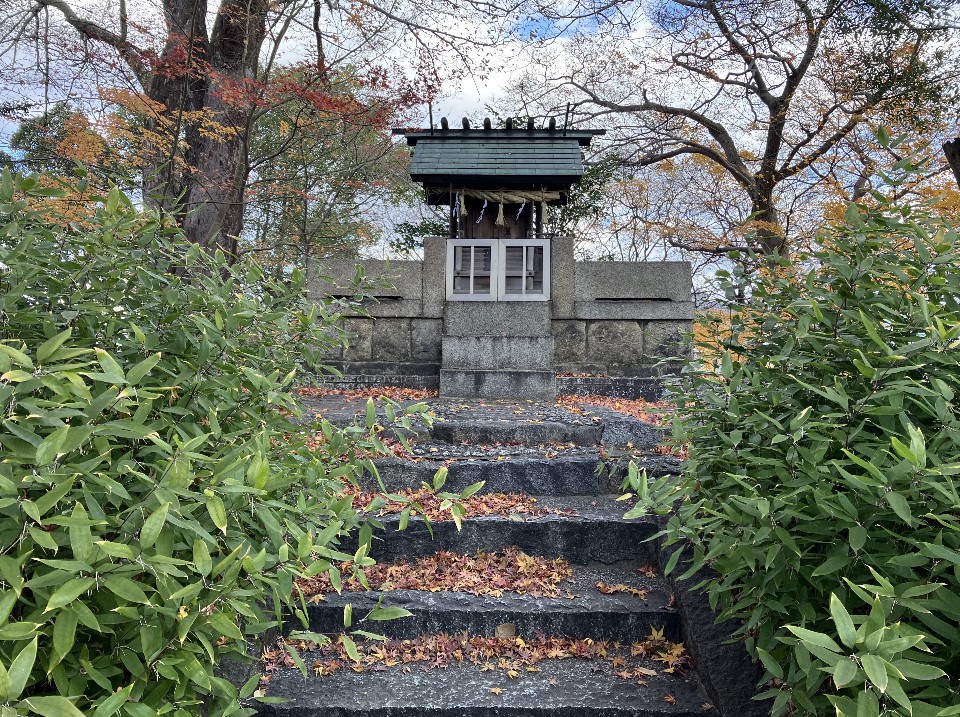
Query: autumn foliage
[{"x": 508, "y": 570}]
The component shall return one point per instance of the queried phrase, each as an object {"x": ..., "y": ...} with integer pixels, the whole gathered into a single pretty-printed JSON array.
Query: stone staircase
[{"x": 553, "y": 454}]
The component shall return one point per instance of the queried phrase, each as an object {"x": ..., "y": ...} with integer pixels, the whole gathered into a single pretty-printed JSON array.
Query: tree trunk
[
  {"x": 178, "y": 88},
  {"x": 765, "y": 218},
  {"x": 952, "y": 150},
  {"x": 213, "y": 204}
]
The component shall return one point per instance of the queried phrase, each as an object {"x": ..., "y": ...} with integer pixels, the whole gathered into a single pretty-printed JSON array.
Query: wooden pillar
[{"x": 952, "y": 150}]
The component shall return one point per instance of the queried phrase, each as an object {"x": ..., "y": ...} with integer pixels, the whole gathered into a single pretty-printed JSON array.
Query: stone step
[
  {"x": 520, "y": 422},
  {"x": 495, "y": 384},
  {"x": 579, "y": 611},
  {"x": 516, "y": 353},
  {"x": 519, "y": 430},
  {"x": 534, "y": 471},
  {"x": 594, "y": 532},
  {"x": 573, "y": 687}
]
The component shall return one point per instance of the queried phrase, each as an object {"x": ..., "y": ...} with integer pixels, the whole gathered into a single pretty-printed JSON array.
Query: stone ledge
[
  {"x": 465, "y": 383},
  {"x": 630, "y": 310},
  {"x": 647, "y": 388}
]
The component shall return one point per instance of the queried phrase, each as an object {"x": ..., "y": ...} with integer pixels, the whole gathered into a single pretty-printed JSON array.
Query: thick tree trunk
[
  {"x": 952, "y": 150},
  {"x": 178, "y": 86},
  {"x": 213, "y": 203},
  {"x": 768, "y": 230}
]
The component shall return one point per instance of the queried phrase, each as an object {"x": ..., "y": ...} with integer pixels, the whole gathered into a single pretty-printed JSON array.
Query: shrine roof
[{"x": 497, "y": 156}]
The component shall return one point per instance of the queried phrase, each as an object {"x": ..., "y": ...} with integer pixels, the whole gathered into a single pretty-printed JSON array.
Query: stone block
[
  {"x": 496, "y": 318},
  {"x": 360, "y": 339},
  {"x": 664, "y": 339},
  {"x": 391, "y": 340},
  {"x": 562, "y": 277},
  {"x": 425, "y": 335},
  {"x": 629, "y": 310},
  {"x": 525, "y": 353},
  {"x": 434, "y": 290},
  {"x": 400, "y": 279},
  {"x": 390, "y": 307},
  {"x": 463, "y": 383},
  {"x": 614, "y": 342},
  {"x": 569, "y": 342},
  {"x": 633, "y": 280},
  {"x": 390, "y": 369}
]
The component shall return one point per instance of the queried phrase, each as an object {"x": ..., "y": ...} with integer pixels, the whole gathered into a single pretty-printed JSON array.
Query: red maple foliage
[
  {"x": 517, "y": 505},
  {"x": 395, "y": 393},
  {"x": 513, "y": 655},
  {"x": 509, "y": 570},
  {"x": 648, "y": 411}
]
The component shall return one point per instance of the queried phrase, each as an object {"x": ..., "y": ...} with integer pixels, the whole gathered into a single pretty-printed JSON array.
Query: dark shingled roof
[{"x": 500, "y": 158}]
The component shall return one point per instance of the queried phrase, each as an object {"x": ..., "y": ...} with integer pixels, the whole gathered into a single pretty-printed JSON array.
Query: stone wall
[
  {"x": 614, "y": 319},
  {"x": 397, "y": 342},
  {"x": 625, "y": 317}
]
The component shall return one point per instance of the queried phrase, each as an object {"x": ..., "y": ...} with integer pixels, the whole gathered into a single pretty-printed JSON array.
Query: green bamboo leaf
[
  {"x": 126, "y": 589},
  {"x": 900, "y": 506},
  {"x": 857, "y": 537},
  {"x": 110, "y": 367},
  {"x": 844, "y": 672},
  {"x": 843, "y": 621},
  {"x": 64, "y": 632},
  {"x": 832, "y": 565},
  {"x": 51, "y": 446},
  {"x": 50, "y": 346},
  {"x": 153, "y": 525},
  {"x": 876, "y": 671},
  {"x": 388, "y": 613},
  {"x": 18, "y": 630},
  {"x": 17, "y": 357},
  {"x": 51, "y": 707},
  {"x": 218, "y": 513},
  {"x": 81, "y": 537},
  {"x": 113, "y": 702},
  {"x": 867, "y": 704},
  {"x": 136, "y": 374},
  {"x": 816, "y": 638},
  {"x": 68, "y": 592},
  {"x": 918, "y": 671},
  {"x": 20, "y": 669},
  {"x": 471, "y": 489},
  {"x": 201, "y": 557},
  {"x": 350, "y": 647}
]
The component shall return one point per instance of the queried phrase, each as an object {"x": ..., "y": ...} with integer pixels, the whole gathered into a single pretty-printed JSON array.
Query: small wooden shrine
[{"x": 498, "y": 185}]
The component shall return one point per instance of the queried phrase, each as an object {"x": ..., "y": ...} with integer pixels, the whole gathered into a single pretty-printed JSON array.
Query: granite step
[
  {"x": 526, "y": 422},
  {"x": 579, "y": 610},
  {"x": 534, "y": 470},
  {"x": 581, "y": 529},
  {"x": 505, "y": 429},
  {"x": 572, "y": 687}
]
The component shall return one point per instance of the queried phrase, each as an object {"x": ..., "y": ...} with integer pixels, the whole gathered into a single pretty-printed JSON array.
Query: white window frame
[
  {"x": 502, "y": 275},
  {"x": 494, "y": 266},
  {"x": 498, "y": 262}
]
